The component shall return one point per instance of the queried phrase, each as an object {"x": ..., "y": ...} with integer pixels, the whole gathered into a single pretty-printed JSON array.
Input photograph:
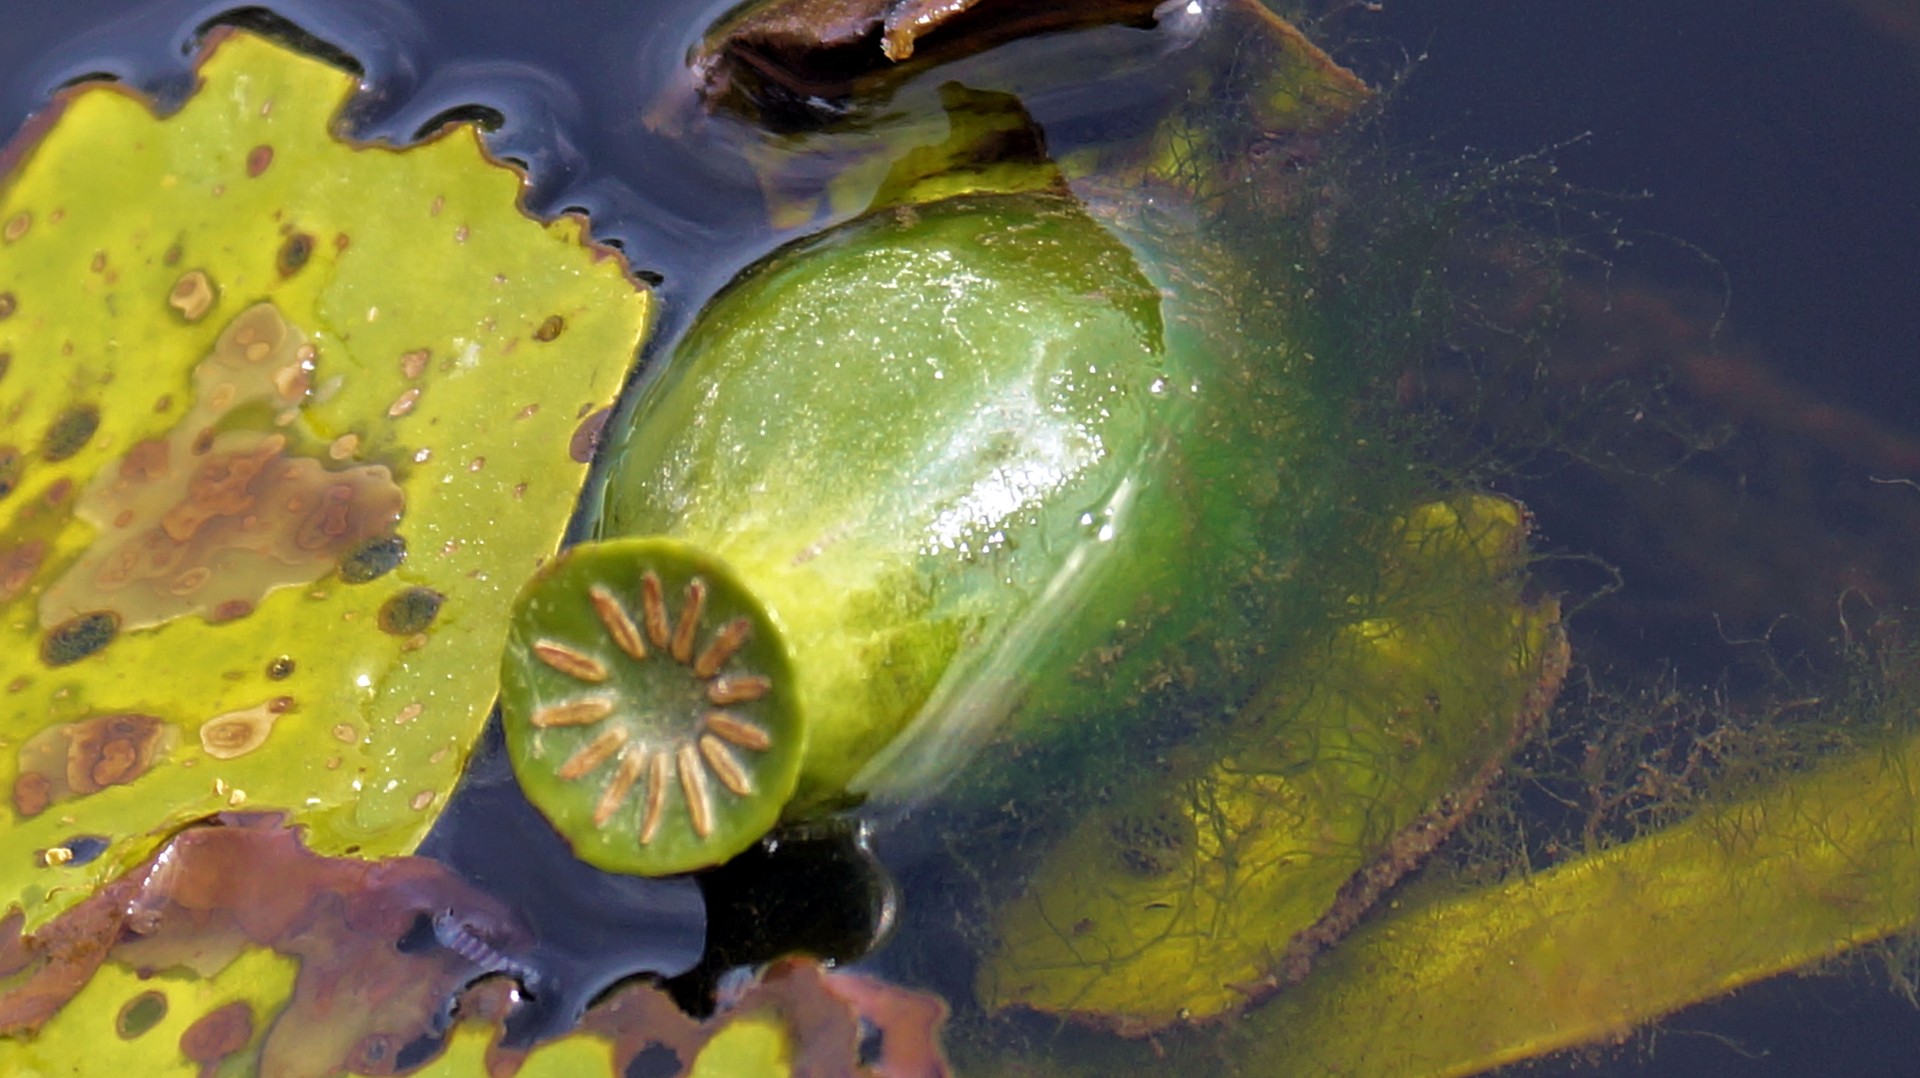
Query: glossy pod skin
[{"x": 980, "y": 462}]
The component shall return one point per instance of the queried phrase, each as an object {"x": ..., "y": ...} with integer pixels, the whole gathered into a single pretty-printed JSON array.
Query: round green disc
[{"x": 649, "y": 706}]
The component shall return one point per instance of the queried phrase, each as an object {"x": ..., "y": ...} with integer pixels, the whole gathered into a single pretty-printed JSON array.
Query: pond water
[{"x": 1759, "y": 165}]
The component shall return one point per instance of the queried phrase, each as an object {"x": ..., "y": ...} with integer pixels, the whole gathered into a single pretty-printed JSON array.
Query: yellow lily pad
[{"x": 285, "y": 422}]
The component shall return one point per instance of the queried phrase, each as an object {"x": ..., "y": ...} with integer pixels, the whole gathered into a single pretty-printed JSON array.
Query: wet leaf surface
[{"x": 287, "y": 422}]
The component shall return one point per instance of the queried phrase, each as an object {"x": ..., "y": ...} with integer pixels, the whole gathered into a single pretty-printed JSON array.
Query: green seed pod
[
  {"x": 979, "y": 465},
  {"x": 648, "y": 706}
]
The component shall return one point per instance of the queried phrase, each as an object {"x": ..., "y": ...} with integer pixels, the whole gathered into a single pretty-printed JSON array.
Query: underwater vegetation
[{"x": 1054, "y": 508}]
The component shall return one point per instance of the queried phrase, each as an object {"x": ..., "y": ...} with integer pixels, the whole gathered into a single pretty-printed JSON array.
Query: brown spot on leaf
[
  {"x": 17, "y": 226},
  {"x": 73, "y": 759},
  {"x": 32, "y": 793},
  {"x": 410, "y": 611},
  {"x": 230, "y": 610},
  {"x": 17, "y": 566},
  {"x": 586, "y": 436},
  {"x": 7, "y": 305},
  {"x": 280, "y": 668},
  {"x": 10, "y": 466},
  {"x": 294, "y": 253},
  {"x": 78, "y": 637},
  {"x": 237, "y": 733},
  {"x": 404, "y": 402},
  {"x": 372, "y": 558},
  {"x": 69, "y": 433},
  {"x": 146, "y": 461},
  {"x": 247, "y": 516},
  {"x": 550, "y": 329},
  {"x": 192, "y": 295},
  {"x": 110, "y": 750},
  {"x": 140, "y": 1014},
  {"x": 216, "y": 1035},
  {"x": 258, "y": 159}
]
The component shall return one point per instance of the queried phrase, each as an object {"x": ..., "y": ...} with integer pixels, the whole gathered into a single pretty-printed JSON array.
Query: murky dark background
[{"x": 1771, "y": 150}]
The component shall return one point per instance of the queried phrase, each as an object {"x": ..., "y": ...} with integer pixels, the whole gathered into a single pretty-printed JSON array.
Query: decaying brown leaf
[
  {"x": 829, "y": 49},
  {"x": 382, "y": 946}
]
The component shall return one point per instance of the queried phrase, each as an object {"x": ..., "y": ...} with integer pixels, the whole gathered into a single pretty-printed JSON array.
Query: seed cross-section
[{"x": 646, "y": 702}]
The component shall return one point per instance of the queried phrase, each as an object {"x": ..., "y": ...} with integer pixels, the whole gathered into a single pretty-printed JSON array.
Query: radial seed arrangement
[{"x": 649, "y": 706}]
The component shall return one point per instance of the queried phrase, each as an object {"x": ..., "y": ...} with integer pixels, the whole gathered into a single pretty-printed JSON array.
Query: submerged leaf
[
  {"x": 1220, "y": 881},
  {"x": 1814, "y": 863},
  {"x": 286, "y": 422}
]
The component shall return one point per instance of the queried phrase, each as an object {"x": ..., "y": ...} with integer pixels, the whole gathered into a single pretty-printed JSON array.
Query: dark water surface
[{"x": 1774, "y": 143}]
